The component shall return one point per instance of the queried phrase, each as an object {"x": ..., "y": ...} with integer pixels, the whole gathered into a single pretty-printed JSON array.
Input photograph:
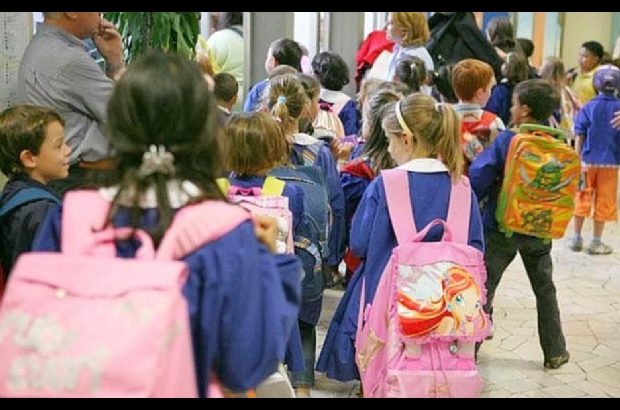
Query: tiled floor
[{"x": 589, "y": 294}]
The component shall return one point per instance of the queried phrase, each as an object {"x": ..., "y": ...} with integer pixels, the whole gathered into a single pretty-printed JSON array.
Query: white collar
[
  {"x": 425, "y": 166},
  {"x": 179, "y": 194},
  {"x": 334, "y": 97},
  {"x": 305, "y": 140}
]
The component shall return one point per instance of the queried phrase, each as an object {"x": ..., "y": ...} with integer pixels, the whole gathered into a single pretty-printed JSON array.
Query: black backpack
[{"x": 455, "y": 36}]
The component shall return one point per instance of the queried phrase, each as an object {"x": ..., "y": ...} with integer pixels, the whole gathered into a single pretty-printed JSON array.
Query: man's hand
[
  {"x": 110, "y": 44},
  {"x": 266, "y": 229}
]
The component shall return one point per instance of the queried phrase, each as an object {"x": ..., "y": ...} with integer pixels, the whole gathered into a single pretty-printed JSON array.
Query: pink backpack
[
  {"x": 417, "y": 339},
  {"x": 85, "y": 324},
  {"x": 266, "y": 201}
]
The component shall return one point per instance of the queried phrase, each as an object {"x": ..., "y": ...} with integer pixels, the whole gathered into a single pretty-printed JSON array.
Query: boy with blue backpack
[
  {"x": 533, "y": 103},
  {"x": 33, "y": 153}
]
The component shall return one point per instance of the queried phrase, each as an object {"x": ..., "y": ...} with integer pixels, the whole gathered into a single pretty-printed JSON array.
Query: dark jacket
[
  {"x": 18, "y": 228},
  {"x": 455, "y": 36}
]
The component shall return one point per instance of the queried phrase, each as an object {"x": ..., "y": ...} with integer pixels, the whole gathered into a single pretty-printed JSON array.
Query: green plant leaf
[{"x": 174, "y": 31}]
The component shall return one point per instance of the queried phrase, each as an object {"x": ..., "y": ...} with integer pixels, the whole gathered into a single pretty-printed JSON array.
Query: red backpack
[{"x": 476, "y": 134}]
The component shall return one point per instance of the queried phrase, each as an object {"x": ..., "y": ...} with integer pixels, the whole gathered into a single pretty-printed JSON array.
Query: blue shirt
[
  {"x": 253, "y": 100},
  {"x": 243, "y": 301},
  {"x": 601, "y": 144},
  {"x": 487, "y": 175},
  {"x": 500, "y": 102}
]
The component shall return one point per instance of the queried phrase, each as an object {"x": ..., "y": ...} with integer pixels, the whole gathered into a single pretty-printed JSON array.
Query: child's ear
[{"x": 28, "y": 160}]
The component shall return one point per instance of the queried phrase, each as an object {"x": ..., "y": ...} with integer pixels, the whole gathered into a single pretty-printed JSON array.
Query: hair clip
[
  {"x": 157, "y": 161},
  {"x": 282, "y": 99}
]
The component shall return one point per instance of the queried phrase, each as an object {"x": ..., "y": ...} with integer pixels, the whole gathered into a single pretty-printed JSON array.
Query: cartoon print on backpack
[{"x": 440, "y": 300}]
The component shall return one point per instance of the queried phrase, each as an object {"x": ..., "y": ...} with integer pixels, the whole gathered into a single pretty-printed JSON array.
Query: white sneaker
[{"x": 599, "y": 249}]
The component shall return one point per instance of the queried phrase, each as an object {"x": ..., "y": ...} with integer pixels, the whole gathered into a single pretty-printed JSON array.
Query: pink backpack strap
[
  {"x": 399, "y": 204},
  {"x": 84, "y": 214},
  {"x": 197, "y": 225},
  {"x": 459, "y": 213}
]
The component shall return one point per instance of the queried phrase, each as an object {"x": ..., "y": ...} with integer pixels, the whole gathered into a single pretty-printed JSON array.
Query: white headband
[{"x": 401, "y": 120}]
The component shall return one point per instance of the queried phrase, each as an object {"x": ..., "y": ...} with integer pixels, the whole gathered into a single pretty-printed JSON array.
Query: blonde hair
[
  {"x": 436, "y": 126},
  {"x": 416, "y": 25},
  {"x": 255, "y": 143},
  {"x": 286, "y": 99}
]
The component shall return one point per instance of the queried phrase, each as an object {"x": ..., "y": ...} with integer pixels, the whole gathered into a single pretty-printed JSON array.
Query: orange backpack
[{"x": 541, "y": 182}]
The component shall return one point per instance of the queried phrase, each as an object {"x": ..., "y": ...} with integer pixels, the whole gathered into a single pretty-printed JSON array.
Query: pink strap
[
  {"x": 198, "y": 225},
  {"x": 459, "y": 213},
  {"x": 85, "y": 214},
  {"x": 399, "y": 205}
]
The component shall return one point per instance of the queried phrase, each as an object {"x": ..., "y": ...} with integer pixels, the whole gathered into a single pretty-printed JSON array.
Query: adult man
[{"x": 58, "y": 72}]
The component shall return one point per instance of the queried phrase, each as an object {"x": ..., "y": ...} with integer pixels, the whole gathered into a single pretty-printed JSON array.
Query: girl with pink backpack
[
  {"x": 425, "y": 142},
  {"x": 243, "y": 299}
]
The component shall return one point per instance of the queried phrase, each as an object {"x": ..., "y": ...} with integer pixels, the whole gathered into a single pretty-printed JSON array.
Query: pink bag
[
  {"x": 417, "y": 339},
  {"x": 267, "y": 201},
  {"x": 85, "y": 324}
]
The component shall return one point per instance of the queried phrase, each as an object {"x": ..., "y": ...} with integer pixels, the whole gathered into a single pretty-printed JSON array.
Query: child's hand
[
  {"x": 616, "y": 121},
  {"x": 266, "y": 229},
  {"x": 342, "y": 151}
]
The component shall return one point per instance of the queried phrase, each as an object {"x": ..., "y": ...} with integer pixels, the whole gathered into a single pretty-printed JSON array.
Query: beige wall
[{"x": 580, "y": 27}]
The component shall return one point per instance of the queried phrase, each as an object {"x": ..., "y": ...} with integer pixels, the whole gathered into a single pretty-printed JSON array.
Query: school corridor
[{"x": 512, "y": 363}]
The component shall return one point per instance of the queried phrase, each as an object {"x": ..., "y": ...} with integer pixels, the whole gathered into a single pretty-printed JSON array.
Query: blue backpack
[
  {"x": 24, "y": 197},
  {"x": 20, "y": 199}
]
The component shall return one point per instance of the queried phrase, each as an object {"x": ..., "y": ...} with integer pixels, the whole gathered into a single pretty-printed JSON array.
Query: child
[
  {"x": 333, "y": 73},
  {"x": 226, "y": 91},
  {"x": 256, "y": 145},
  {"x": 410, "y": 32},
  {"x": 287, "y": 100},
  {"x": 374, "y": 158},
  {"x": 599, "y": 146},
  {"x": 33, "y": 152},
  {"x": 243, "y": 299},
  {"x": 554, "y": 71},
  {"x": 473, "y": 82},
  {"x": 515, "y": 71},
  {"x": 581, "y": 79},
  {"x": 419, "y": 131},
  {"x": 281, "y": 52},
  {"x": 533, "y": 103},
  {"x": 411, "y": 72}
]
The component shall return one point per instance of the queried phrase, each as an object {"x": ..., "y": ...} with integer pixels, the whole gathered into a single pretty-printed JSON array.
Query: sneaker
[
  {"x": 576, "y": 245},
  {"x": 557, "y": 362},
  {"x": 599, "y": 249}
]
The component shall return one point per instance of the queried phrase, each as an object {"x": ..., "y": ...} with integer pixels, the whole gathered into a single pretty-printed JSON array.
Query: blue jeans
[
  {"x": 501, "y": 251},
  {"x": 306, "y": 379}
]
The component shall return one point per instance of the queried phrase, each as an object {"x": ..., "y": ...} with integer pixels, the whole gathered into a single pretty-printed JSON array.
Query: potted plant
[{"x": 141, "y": 31}]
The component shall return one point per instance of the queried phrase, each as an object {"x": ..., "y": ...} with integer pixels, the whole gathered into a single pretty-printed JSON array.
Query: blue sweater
[
  {"x": 487, "y": 176},
  {"x": 601, "y": 145},
  {"x": 243, "y": 302}
]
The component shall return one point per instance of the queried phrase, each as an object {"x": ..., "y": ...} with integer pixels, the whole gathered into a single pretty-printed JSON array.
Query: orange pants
[{"x": 601, "y": 190}]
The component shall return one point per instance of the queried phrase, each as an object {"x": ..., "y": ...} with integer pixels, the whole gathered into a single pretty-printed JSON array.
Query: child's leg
[
  {"x": 583, "y": 208},
  {"x": 536, "y": 255},
  {"x": 500, "y": 253},
  {"x": 606, "y": 208}
]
